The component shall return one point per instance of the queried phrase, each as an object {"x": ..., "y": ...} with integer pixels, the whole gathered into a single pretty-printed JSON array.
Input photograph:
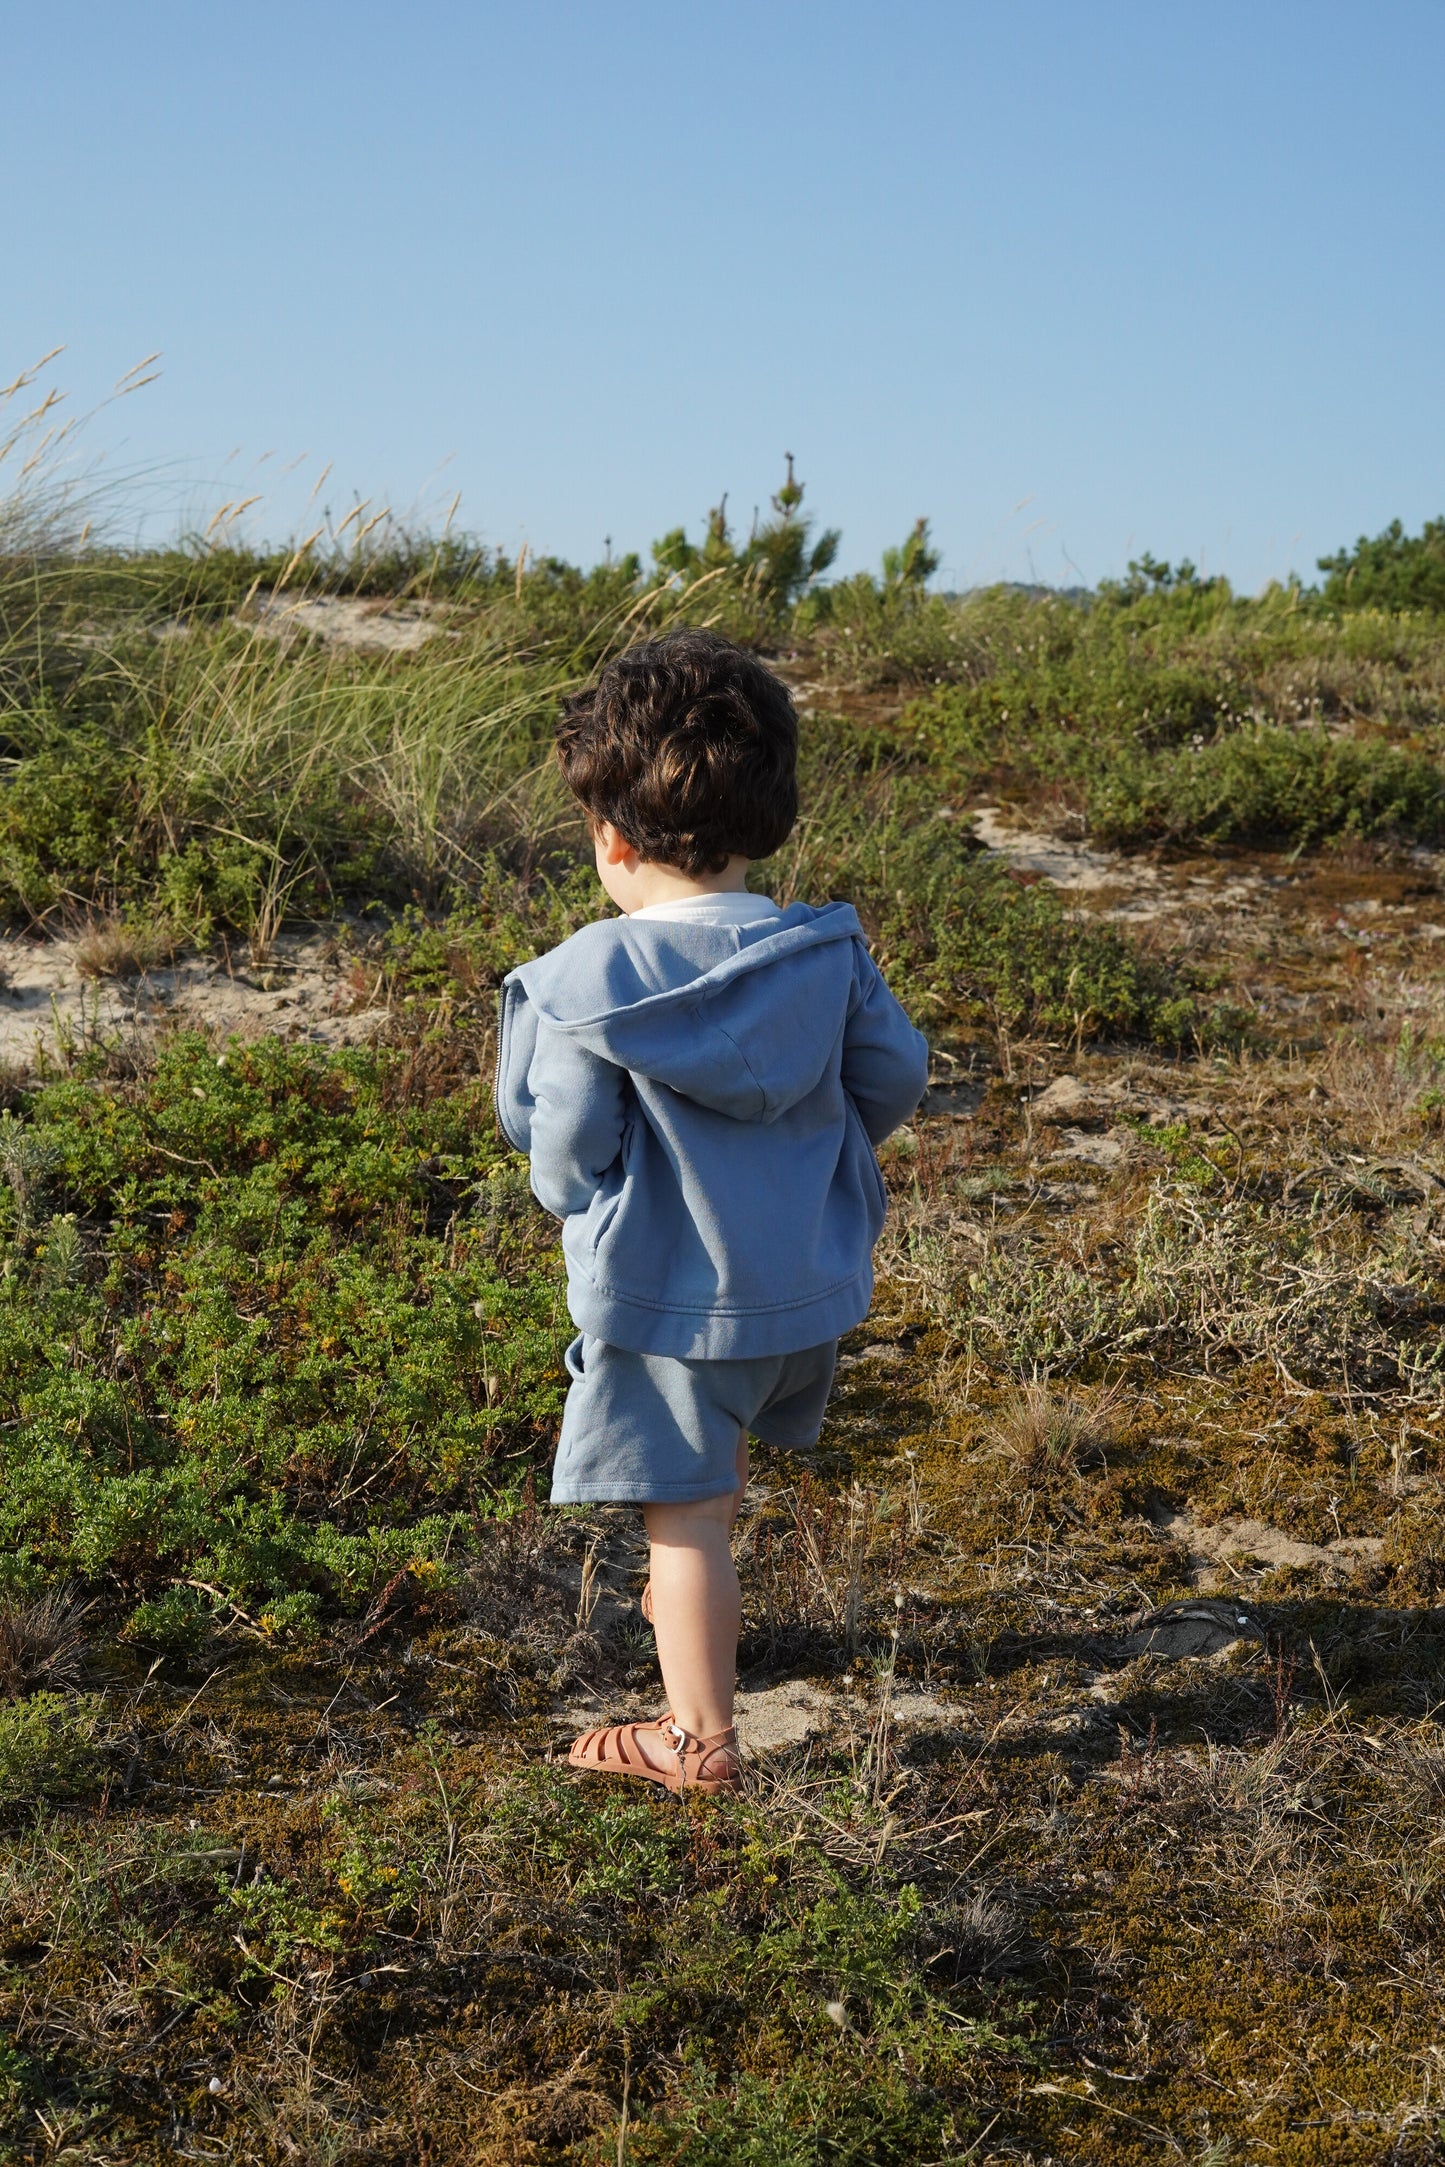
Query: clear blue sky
[{"x": 1074, "y": 280}]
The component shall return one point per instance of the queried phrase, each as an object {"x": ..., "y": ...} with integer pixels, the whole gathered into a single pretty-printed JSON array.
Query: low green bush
[
  {"x": 960, "y": 937},
  {"x": 52, "y": 1746},
  {"x": 67, "y": 815},
  {"x": 1270, "y": 786},
  {"x": 1392, "y": 571},
  {"x": 962, "y": 940},
  {"x": 297, "y": 1347},
  {"x": 1184, "y": 715}
]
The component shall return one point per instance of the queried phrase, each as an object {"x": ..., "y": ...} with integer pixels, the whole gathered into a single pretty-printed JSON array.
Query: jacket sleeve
[
  {"x": 516, "y": 1046},
  {"x": 579, "y": 1111},
  {"x": 885, "y": 1061}
]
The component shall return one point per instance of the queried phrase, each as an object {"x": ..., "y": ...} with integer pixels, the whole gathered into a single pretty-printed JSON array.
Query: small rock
[
  {"x": 1199, "y": 1625},
  {"x": 1064, "y": 1098},
  {"x": 952, "y": 1101},
  {"x": 1110, "y": 1150}
]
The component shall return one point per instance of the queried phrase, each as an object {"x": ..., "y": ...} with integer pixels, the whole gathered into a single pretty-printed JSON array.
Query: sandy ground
[
  {"x": 1141, "y": 890},
  {"x": 1066, "y": 864},
  {"x": 48, "y": 1007},
  {"x": 369, "y": 626},
  {"x": 781, "y": 1715}
]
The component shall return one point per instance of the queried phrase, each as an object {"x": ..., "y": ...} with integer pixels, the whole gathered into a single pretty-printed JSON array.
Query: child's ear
[{"x": 612, "y": 847}]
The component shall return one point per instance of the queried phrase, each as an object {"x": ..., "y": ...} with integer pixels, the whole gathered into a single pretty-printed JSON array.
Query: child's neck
[{"x": 649, "y": 884}]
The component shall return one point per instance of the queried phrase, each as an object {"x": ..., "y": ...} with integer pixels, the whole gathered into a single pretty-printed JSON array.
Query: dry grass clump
[
  {"x": 977, "y": 1937},
  {"x": 1424, "y": 1768},
  {"x": 1392, "y": 1078},
  {"x": 123, "y": 948},
  {"x": 1051, "y": 1436},
  {"x": 43, "y": 1642},
  {"x": 1190, "y": 1267}
]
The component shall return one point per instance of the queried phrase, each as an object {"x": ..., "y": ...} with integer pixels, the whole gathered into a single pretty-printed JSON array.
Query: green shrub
[
  {"x": 959, "y": 934},
  {"x": 178, "y": 1622},
  {"x": 761, "y": 580},
  {"x": 874, "y": 635},
  {"x": 302, "y": 1359},
  {"x": 52, "y": 1746},
  {"x": 1183, "y": 714},
  {"x": 1270, "y": 786},
  {"x": 67, "y": 816},
  {"x": 1393, "y": 571}
]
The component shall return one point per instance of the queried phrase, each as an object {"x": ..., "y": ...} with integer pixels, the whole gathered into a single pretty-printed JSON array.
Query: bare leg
[
  {"x": 696, "y": 1609},
  {"x": 645, "y": 1604},
  {"x": 695, "y": 1606}
]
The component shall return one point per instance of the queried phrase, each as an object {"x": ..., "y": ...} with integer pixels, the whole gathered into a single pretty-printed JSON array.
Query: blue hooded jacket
[{"x": 700, "y": 1104}]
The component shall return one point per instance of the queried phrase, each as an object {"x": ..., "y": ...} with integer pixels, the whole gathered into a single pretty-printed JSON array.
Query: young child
[{"x": 700, "y": 1084}]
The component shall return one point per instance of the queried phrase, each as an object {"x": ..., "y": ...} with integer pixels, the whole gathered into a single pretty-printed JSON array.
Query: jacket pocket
[
  {"x": 604, "y": 1221},
  {"x": 880, "y": 1191},
  {"x": 598, "y": 1227},
  {"x": 875, "y": 1189}
]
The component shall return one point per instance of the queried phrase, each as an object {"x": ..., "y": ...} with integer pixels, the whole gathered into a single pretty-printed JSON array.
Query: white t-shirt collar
[{"x": 714, "y": 909}]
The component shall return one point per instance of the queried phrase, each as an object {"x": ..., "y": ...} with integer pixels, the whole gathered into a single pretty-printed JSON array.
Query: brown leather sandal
[{"x": 707, "y": 1765}]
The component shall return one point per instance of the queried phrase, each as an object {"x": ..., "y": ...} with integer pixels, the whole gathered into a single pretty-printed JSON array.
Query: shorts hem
[{"x": 599, "y": 1494}]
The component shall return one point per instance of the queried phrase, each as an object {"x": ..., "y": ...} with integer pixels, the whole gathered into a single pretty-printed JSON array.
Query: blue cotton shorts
[{"x": 652, "y": 1429}]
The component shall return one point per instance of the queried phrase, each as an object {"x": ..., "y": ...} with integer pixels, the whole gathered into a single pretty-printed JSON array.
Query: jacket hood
[{"x": 742, "y": 1020}]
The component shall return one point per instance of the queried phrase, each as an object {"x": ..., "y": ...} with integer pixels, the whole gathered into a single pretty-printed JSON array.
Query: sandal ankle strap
[
  {"x": 699, "y": 1751},
  {"x": 685, "y": 1738}
]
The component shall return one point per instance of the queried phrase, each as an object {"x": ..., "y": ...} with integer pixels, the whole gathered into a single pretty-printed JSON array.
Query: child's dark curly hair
[{"x": 689, "y": 747}]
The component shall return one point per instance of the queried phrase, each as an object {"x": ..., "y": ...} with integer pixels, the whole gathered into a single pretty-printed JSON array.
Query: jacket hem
[{"x": 719, "y": 1337}]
